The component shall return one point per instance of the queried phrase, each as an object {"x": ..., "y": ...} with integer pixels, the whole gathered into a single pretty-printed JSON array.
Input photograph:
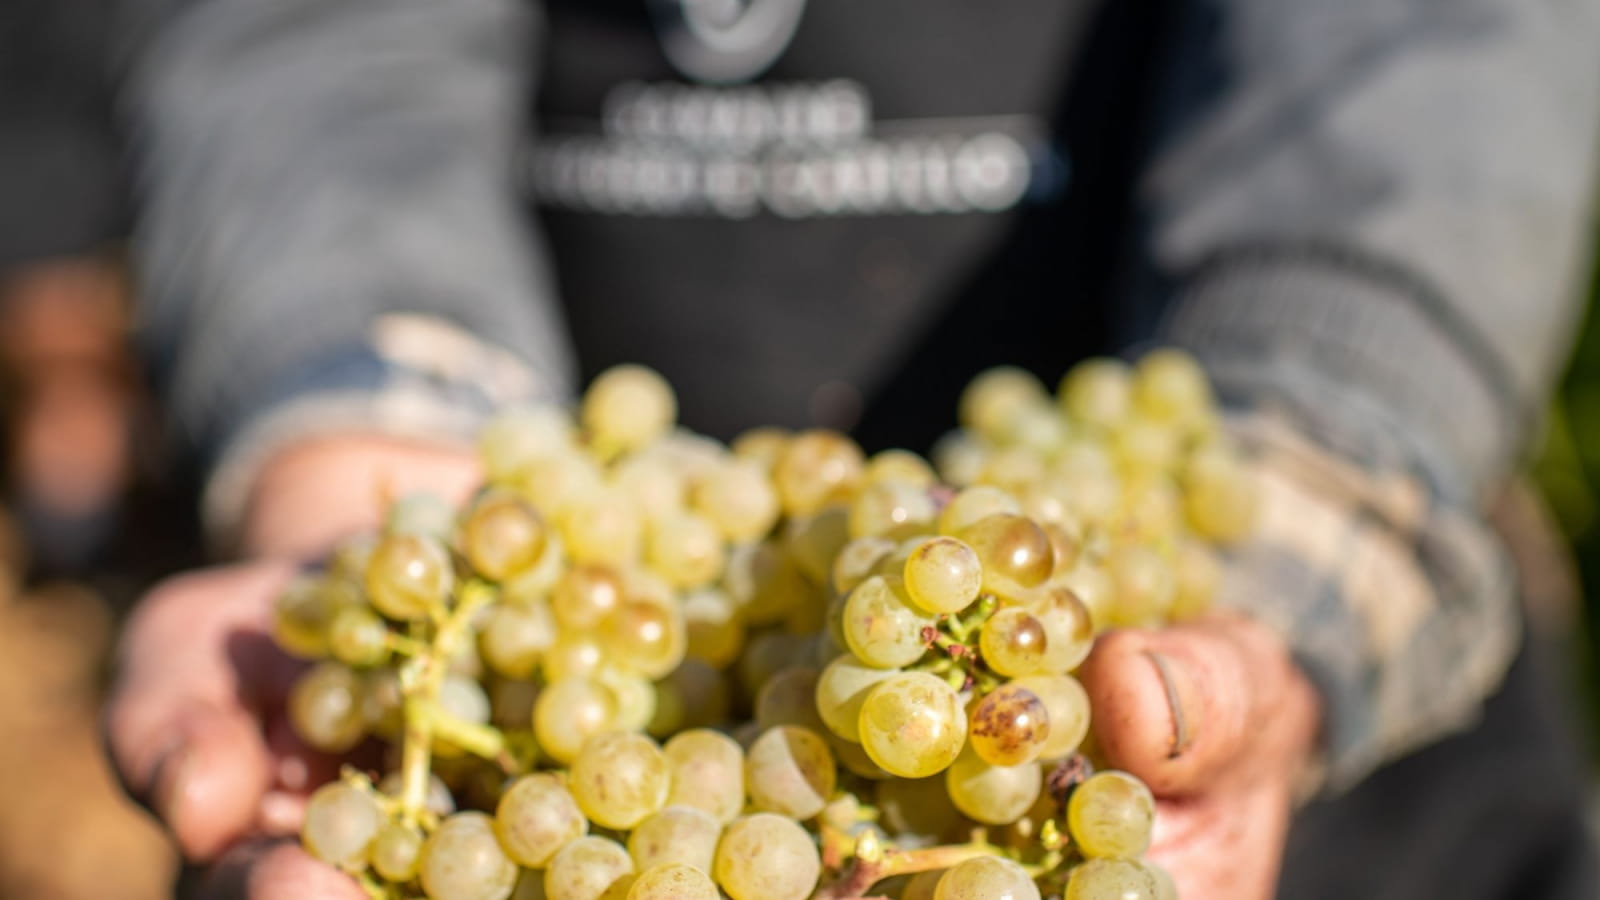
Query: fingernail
[{"x": 1182, "y": 727}]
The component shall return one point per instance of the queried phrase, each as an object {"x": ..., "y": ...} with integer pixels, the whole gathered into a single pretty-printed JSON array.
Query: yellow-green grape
[
  {"x": 1093, "y": 586},
  {"x": 677, "y": 834},
  {"x": 462, "y": 860},
  {"x": 766, "y": 583},
  {"x": 420, "y": 514},
  {"x": 817, "y": 467},
  {"x": 636, "y": 696},
  {"x": 585, "y": 868},
  {"x": 1170, "y": 386},
  {"x": 993, "y": 399},
  {"x": 408, "y": 575},
  {"x": 1008, "y": 726},
  {"x": 502, "y": 536},
  {"x": 813, "y": 541},
  {"x": 1016, "y": 554},
  {"x": 1220, "y": 497},
  {"x": 673, "y": 881},
  {"x": 993, "y": 795},
  {"x": 695, "y": 695},
  {"x": 912, "y": 725},
  {"x": 619, "y": 778},
  {"x": 685, "y": 549},
  {"x": 397, "y": 851},
  {"x": 943, "y": 575},
  {"x": 514, "y": 439},
  {"x": 986, "y": 878},
  {"x": 625, "y": 408},
  {"x": 739, "y": 500},
  {"x": 901, "y": 466},
  {"x": 1198, "y": 572},
  {"x": 1068, "y": 626},
  {"x": 1066, "y": 707},
  {"x": 856, "y": 561},
  {"x": 789, "y": 698},
  {"x": 767, "y": 654},
  {"x": 763, "y": 446},
  {"x": 300, "y": 617},
  {"x": 1114, "y": 879},
  {"x": 790, "y": 770},
  {"x": 656, "y": 487},
  {"x": 1090, "y": 498},
  {"x": 891, "y": 508},
  {"x": 536, "y": 817},
  {"x": 535, "y": 584},
  {"x": 972, "y": 504},
  {"x": 881, "y": 627},
  {"x": 340, "y": 824},
  {"x": 713, "y": 627},
  {"x": 649, "y": 636},
  {"x": 556, "y": 483},
  {"x": 1166, "y": 888},
  {"x": 437, "y": 799},
  {"x": 575, "y": 654},
  {"x": 514, "y": 637},
  {"x": 854, "y": 759},
  {"x": 325, "y": 707},
  {"x": 569, "y": 712},
  {"x": 1151, "y": 510},
  {"x": 920, "y": 807},
  {"x": 357, "y": 636},
  {"x": 958, "y": 457},
  {"x": 1145, "y": 447},
  {"x": 1097, "y": 393},
  {"x": 1143, "y": 585},
  {"x": 1110, "y": 815},
  {"x": 707, "y": 773},
  {"x": 585, "y": 596},
  {"x": 1013, "y": 468},
  {"x": 842, "y": 688},
  {"x": 1014, "y": 642},
  {"x": 1039, "y": 428},
  {"x": 922, "y": 885},
  {"x": 766, "y": 857},
  {"x": 1066, "y": 545},
  {"x": 603, "y": 528}
]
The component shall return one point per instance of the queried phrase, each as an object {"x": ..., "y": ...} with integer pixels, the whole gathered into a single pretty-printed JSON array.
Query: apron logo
[{"x": 725, "y": 41}]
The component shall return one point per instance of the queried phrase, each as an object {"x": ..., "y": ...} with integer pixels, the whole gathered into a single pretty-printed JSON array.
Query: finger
[
  {"x": 1191, "y": 706},
  {"x": 275, "y": 870},
  {"x": 1224, "y": 846}
]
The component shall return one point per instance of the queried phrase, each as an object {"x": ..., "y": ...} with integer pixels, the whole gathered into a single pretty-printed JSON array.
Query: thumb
[
  {"x": 274, "y": 870},
  {"x": 1198, "y": 705}
]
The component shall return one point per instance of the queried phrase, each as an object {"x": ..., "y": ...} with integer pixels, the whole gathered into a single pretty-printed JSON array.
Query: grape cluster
[{"x": 640, "y": 665}]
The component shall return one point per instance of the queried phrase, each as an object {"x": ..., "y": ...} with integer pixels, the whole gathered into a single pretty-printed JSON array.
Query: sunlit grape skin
[
  {"x": 1067, "y": 707},
  {"x": 707, "y": 772},
  {"x": 842, "y": 688},
  {"x": 815, "y": 468},
  {"x": 1113, "y": 879},
  {"x": 584, "y": 868},
  {"x": 626, "y": 407},
  {"x": 1110, "y": 815},
  {"x": 766, "y": 857},
  {"x": 791, "y": 771},
  {"x": 986, "y": 878},
  {"x": 397, "y": 851},
  {"x": 673, "y": 881},
  {"x": 502, "y": 535},
  {"x": 992, "y": 795},
  {"x": 408, "y": 575},
  {"x": 1016, "y": 553},
  {"x": 462, "y": 860},
  {"x": 1014, "y": 642},
  {"x": 675, "y": 834},
  {"x": 620, "y": 778},
  {"x": 912, "y": 725},
  {"x": 570, "y": 711},
  {"x": 536, "y": 817},
  {"x": 943, "y": 575},
  {"x": 340, "y": 824},
  {"x": 880, "y": 625}
]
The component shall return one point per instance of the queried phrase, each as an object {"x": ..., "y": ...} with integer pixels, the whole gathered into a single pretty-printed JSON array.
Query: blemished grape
[
  {"x": 676, "y": 834},
  {"x": 619, "y": 778},
  {"x": 340, "y": 824},
  {"x": 673, "y": 881},
  {"x": 325, "y": 707},
  {"x": 790, "y": 698},
  {"x": 766, "y": 857},
  {"x": 514, "y": 637},
  {"x": 462, "y": 860},
  {"x": 881, "y": 627},
  {"x": 1009, "y": 726},
  {"x": 986, "y": 878},
  {"x": 1014, "y": 642},
  {"x": 536, "y": 817},
  {"x": 891, "y": 509},
  {"x": 921, "y": 807},
  {"x": 1016, "y": 553},
  {"x": 1110, "y": 815},
  {"x": 739, "y": 500},
  {"x": 397, "y": 851},
  {"x": 1067, "y": 707},
  {"x": 408, "y": 575},
  {"x": 791, "y": 771},
  {"x": 842, "y": 688},
  {"x": 357, "y": 636},
  {"x": 993, "y": 795},
  {"x": 686, "y": 549},
  {"x": 569, "y": 712},
  {"x": 1097, "y": 393},
  {"x": 707, "y": 773},
  {"x": 625, "y": 408},
  {"x": 1113, "y": 879},
  {"x": 943, "y": 575},
  {"x": 517, "y": 437},
  {"x": 584, "y": 868},
  {"x": 817, "y": 467},
  {"x": 912, "y": 725}
]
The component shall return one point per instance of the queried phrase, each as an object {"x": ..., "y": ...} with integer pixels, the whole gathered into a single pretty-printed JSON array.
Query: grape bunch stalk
[{"x": 641, "y": 665}]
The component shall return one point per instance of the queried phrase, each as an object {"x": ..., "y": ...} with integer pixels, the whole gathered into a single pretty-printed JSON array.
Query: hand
[{"x": 1217, "y": 720}]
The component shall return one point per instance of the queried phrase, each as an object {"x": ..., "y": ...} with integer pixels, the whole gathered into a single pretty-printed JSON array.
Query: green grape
[
  {"x": 1113, "y": 879},
  {"x": 636, "y": 696},
  {"x": 1144, "y": 447},
  {"x": 325, "y": 707},
  {"x": 1009, "y": 726},
  {"x": 1090, "y": 497},
  {"x": 1013, "y": 468},
  {"x": 300, "y": 617},
  {"x": 341, "y": 821},
  {"x": 656, "y": 487},
  {"x": 619, "y": 778},
  {"x": 767, "y": 654},
  {"x": 739, "y": 500},
  {"x": 855, "y": 759},
  {"x": 514, "y": 439},
  {"x": 382, "y": 703},
  {"x": 993, "y": 795},
  {"x": 357, "y": 636},
  {"x": 993, "y": 399},
  {"x": 1220, "y": 497},
  {"x": 973, "y": 504},
  {"x": 677, "y": 834},
  {"x": 585, "y": 868},
  {"x": 765, "y": 583},
  {"x": 1170, "y": 386},
  {"x": 1110, "y": 815},
  {"x": 1038, "y": 427},
  {"x": 1014, "y": 642},
  {"x": 569, "y": 712},
  {"x": 648, "y": 635},
  {"x": 603, "y": 528},
  {"x": 921, "y": 807},
  {"x": 535, "y": 584},
  {"x": 817, "y": 467},
  {"x": 421, "y": 514},
  {"x": 514, "y": 637},
  {"x": 575, "y": 654},
  {"x": 943, "y": 575},
  {"x": 537, "y": 816},
  {"x": 891, "y": 509},
  {"x": 585, "y": 595},
  {"x": 881, "y": 627},
  {"x": 1143, "y": 583},
  {"x": 673, "y": 881},
  {"x": 1092, "y": 586},
  {"x": 1066, "y": 707},
  {"x": 1166, "y": 888},
  {"x": 790, "y": 771},
  {"x": 437, "y": 799},
  {"x": 959, "y": 456},
  {"x": 1198, "y": 573},
  {"x": 986, "y": 878},
  {"x": 397, "y": 851},
  {"x": 713, "y": 627},
  {"x": 857, "y": 560},
  {"x": 686, "y": 550},
  {"x": 767, "y": 857},
  {"x": 912, "y": 725},
  {"x": 462, "y": 860},
  {"x": 842, "y": 688},
  {"x": 1016, "y": 553},
  {"x": 707, "y": 773},
  {"x": 922, "y": 885},
  {"x": 1151, "y": 510},
  {"x": 1068, "y": 626},
  {"x": 502, "y": 536},
  {"x": 814, "y": 541},
  {"x": 901, "y": 466},
  {"x": 408, "y": 575},
  {"x": 1097, "y": 393},
  {"x": 556, "y": 483},
  {"x": 762, "y": 446},
  {"x": 790, "y": 698},
  {"x": 625, "y": 408}
]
